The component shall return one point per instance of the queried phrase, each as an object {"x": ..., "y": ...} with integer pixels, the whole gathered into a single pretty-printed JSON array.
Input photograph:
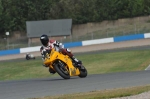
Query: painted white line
[{"x": 148, "y": 68}]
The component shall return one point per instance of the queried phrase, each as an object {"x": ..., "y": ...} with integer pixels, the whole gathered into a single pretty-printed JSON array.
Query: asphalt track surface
[{"x": 23, "y": 89}]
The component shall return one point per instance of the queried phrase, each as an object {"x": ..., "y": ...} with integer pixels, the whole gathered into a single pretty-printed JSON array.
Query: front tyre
[
  {"x": 61, "y": 71},
  {"x": 83, "y": 73}
]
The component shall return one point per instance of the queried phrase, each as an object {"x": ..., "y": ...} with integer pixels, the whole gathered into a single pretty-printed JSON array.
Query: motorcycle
[
  {"x": 63, "y": 64},
  {"x": 29, "y": 56}
]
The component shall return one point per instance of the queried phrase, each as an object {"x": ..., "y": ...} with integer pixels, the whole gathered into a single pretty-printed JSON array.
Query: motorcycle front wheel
[
  {"x": 62, "y": 71},
  {"x": 83, "y": 73}
]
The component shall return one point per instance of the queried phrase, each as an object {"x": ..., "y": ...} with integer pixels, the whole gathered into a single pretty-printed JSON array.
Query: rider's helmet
[{"x": 44, "y": 39}]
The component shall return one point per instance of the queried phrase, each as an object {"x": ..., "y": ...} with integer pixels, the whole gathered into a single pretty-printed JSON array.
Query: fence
[
  {"x": 110, "y": 32},
  {"x": 105, "y": 31},
  {"x": 13, "y": 43},
  {"x": 80, "y": 43}
]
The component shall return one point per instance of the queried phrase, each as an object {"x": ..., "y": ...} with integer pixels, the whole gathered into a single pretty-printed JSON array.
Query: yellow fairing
[{"x": 54, "y": 55}]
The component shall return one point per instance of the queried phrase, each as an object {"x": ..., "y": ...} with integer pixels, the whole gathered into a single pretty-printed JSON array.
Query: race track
[{"x": 24, "y": 89}]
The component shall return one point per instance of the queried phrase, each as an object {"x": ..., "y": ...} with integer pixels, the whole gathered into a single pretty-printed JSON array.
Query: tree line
[{"x": 15, "y": 13}]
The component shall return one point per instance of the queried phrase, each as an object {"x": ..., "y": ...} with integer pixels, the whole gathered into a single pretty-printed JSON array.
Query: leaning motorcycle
[{"x": 63, "y": 64}]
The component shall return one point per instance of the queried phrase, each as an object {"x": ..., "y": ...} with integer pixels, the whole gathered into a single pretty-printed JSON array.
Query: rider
[{"x": 47, "y": 45}]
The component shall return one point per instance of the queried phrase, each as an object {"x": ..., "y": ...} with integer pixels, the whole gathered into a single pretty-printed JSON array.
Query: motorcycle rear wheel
[{"x": 60, "y": 71}]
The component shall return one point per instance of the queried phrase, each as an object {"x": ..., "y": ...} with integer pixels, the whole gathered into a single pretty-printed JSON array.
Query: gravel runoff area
[
  {"x": 96, "y": 47},
  {"x": 145, "y": 95}
]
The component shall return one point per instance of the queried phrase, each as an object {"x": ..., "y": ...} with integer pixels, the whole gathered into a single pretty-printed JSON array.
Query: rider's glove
[
  {"x": 56, "y": 43},
  {"x": 61, "y": 45}
]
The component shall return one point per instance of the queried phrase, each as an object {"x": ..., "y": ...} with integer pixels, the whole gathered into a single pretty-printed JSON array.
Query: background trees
[{"x": 15, "y": 13}]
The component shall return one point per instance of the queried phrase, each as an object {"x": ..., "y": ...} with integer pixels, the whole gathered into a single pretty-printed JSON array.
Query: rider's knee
[{"x": 69, "y": 52}]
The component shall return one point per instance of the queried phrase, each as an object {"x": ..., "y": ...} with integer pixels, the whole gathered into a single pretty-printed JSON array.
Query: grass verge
[{"x": 95, "y": 63}]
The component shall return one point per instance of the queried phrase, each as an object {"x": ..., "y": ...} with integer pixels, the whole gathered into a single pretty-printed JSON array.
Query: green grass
[
  {"x": 23, "y": 69},
  {"x": 95, "y": 64},
  {"x": 116, "y": 62}
]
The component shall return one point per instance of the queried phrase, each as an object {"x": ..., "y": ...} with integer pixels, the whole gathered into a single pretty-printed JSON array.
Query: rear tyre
[
  {"x": 83, "y": 73},
  {"x": 62, "y": 71}
]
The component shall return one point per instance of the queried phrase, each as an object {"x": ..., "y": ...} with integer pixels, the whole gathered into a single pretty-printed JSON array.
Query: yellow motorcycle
[{"x": 63, "y": 64}]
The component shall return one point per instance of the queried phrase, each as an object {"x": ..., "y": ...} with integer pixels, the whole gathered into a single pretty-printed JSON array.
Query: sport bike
[{"x": 63, "y": 64}]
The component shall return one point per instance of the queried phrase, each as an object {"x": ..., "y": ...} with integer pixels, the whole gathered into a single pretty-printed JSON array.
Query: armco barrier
[
  {"x": 8, "y": 52},
  {"x": 82, "y": 43},
  {"x": 72, "y": 44},
  {"x": 147, "y": 35},
  {"x": 97, "y": 41},
  {"x": 128, "y": 37},
  {"x": 30, "y": 49}
]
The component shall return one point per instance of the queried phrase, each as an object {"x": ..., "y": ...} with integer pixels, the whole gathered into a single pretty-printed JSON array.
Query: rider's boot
[
  {"x": 52, "y": 71},
  {"x": 45, "y": 65},
  {"x": 77, "y": 62}
]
